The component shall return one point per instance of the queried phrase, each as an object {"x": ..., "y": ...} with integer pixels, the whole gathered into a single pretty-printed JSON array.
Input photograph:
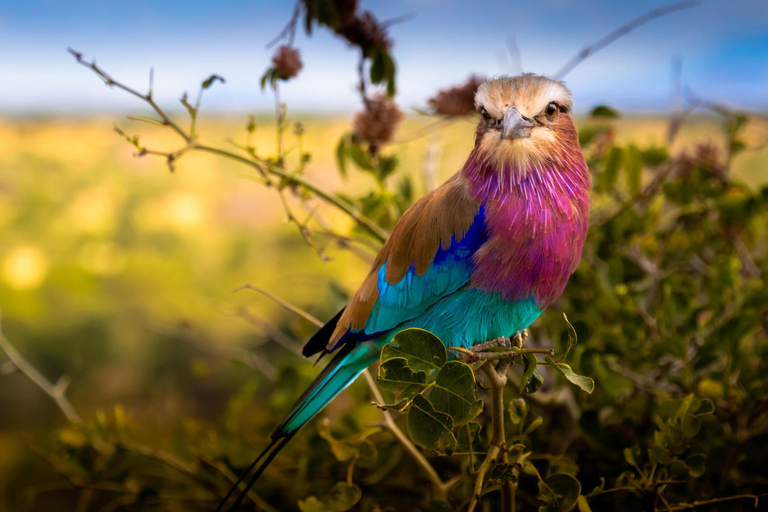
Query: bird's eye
[
  {"x": 485, "y": 114},
  {"x": 551, "y": 110}
]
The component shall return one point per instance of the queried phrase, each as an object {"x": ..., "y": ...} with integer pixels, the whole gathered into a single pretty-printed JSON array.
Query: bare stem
[
  {"x": 56, "y": 391},
  {"x": 440, "y": 488},
  {"x": 497, "y": 448},
  {"x": 621, "y": 31},
  {"x": 283, "y": 303}
]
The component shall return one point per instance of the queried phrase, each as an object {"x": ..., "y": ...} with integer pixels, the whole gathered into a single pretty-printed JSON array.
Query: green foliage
[
  {"x": 559, "y": 492},
  {"x": 438, "y": 395},
  {"x": 341, "y": 498}
]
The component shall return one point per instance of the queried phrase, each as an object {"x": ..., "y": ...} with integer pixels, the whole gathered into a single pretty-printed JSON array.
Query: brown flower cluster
[
  {"x": 360, "y": 29},
  {"x": 376, "y": 124},
  {"x": 365, "y": 32},
  {"x": 457, "y": 101},
  {"x": 287, "y": 62},
  {"x": 707, "y": 156}
]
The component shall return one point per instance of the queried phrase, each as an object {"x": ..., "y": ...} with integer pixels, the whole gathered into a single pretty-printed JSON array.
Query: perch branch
[
  {"x": 56, "y": 391},
  {"x": 619, "y": 32}
]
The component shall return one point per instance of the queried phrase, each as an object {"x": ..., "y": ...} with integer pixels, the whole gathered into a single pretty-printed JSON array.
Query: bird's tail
[{"x": 344, "y": 368}]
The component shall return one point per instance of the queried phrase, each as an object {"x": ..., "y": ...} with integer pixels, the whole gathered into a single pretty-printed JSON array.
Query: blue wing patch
[{"x": 407, "y": 299}]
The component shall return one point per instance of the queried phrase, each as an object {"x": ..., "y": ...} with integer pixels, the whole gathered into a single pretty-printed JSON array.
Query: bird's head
[{"x": 526, "y": 121}]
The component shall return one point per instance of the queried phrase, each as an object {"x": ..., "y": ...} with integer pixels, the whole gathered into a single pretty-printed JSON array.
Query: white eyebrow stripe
[{"x": 528, "y": 92}]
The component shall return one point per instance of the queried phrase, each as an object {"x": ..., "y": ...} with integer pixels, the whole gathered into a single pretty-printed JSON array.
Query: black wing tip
[{"x": 319, "y": 341}]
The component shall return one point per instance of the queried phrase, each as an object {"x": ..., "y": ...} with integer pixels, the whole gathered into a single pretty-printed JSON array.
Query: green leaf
[
  {"x": 518, "y": 410},
  {"x": 573, "y": 339},
  {"x": 696, "y": 464},
  {"x": 341, "y": 155},
  {"x": 397, "y": 378},
  {"x": 607, "y": 179},
  {"x": 429, "y": 428},
  {"x": 534, "y": 383},
  {"x": 268, "y": 76},
  {"x": 560, "y": 492},
  {"x": 605, "y": 112},
  {"x": 631, "y": 455},
  {"x": 454, "y": 393},
  {"x": 504, "y": 472},
  {"x": 589, "y": 132},
  {"x": 707, "y": 407},
  {"x": 533, "y": 425},
  {"x": 633, "y": 166},
  {"x": 361, "y": 158},
  {"x": 341, "y": 498},
  {"x": 654, "y": 156},
  {"x": 467, "y": 435},
  {"x": 210, "y": 80},
  {"x": 585, "y": 383},
  {"x": 342, "y": 450},
  {"x": 530, "y": 367},
  {"x": 367, "y": 454},
  {"x": 383, "y": 70},
  {"x": 423, "y": 351},
  {"x": 387, "y": 165}
]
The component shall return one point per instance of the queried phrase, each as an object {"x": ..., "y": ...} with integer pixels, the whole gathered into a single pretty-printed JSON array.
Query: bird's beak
[{"x": 515, "y": 126}]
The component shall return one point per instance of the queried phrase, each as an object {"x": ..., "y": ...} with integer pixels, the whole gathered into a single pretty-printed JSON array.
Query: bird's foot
[{"x": 519, "y": 339}]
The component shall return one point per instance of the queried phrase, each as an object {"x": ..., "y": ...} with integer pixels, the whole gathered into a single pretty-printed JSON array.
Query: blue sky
[{"x": 723, "y": 44}]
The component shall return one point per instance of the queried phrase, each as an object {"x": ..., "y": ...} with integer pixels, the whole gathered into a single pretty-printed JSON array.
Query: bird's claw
[{"x": 520, "y": 338}]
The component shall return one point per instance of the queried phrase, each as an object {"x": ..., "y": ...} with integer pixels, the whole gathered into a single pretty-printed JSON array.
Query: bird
[{"x": 476, "y": 259}]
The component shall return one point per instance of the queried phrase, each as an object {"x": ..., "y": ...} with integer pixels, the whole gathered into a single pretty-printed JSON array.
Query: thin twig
[
  {"x": 698, "y": 504},
  {"x": 515, "y": 56},
  {"x": 621, "y": 31},
  {"x": 282, "y": 303},
  {"x": 271, "y": 331},
  {"x": 290, "y": 28},
  {"x": 263, "y": 167},
  {"x": 222, "y": 352},
  {"x": 56, "y": 391},
  {"x": 440, "y": 488}
]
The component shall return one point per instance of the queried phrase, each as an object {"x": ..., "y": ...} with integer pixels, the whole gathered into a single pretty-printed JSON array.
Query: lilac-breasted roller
[{"x": 476, "y": 259}]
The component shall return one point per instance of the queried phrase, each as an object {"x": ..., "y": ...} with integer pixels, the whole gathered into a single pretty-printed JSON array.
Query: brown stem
[
  {"x": 56, "y": 391},
  {"x": 283, "y": 303},
  {"x": 621, "y": 31},
  {"x": 440, "y": 488},
  {"x": 497, "y": 449},
  {"x": 261, "y": 167}
]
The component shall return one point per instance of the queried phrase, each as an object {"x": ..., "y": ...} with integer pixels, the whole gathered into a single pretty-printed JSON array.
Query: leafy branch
[{"x": 270, "y": 171}]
